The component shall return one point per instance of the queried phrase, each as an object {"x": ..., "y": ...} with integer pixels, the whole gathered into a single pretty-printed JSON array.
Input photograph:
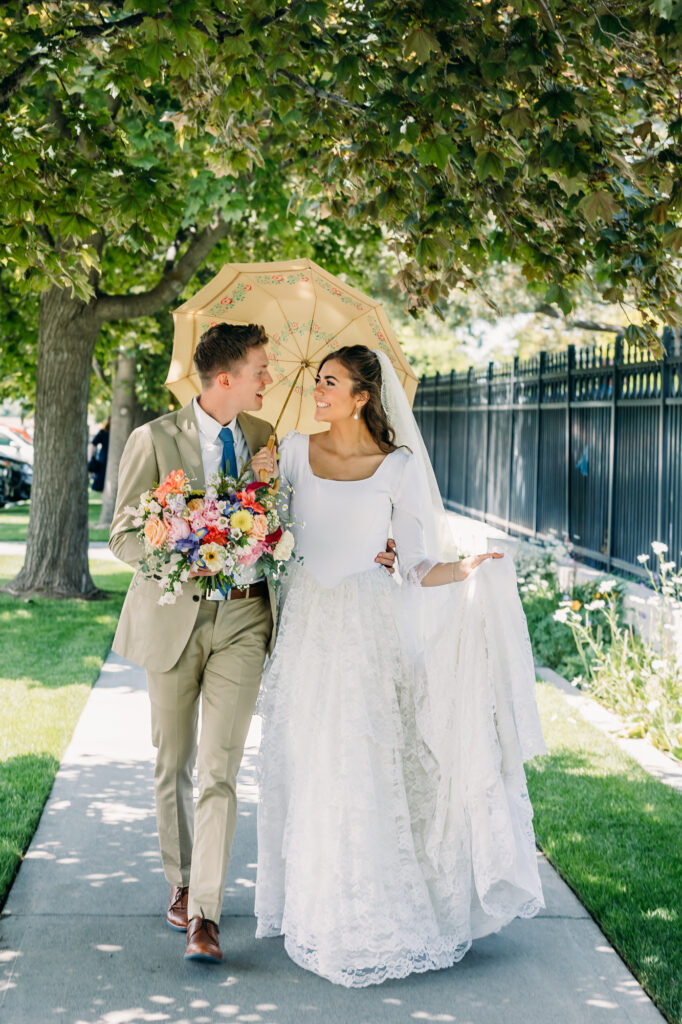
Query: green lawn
[
  {"x": 614, "y": 833},
  {"x": 51, "y": 654},
  {"x": 14, "y": 521}
]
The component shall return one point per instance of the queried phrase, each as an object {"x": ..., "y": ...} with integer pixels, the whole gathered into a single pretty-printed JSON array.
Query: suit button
[{"x": 195, "y": 597}]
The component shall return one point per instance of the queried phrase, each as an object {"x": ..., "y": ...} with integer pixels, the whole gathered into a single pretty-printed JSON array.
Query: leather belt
[{"x": 259, "y": 589}]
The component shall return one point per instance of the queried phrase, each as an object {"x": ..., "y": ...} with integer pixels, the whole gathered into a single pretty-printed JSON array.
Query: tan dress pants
[{"x": 221, "y": 664}]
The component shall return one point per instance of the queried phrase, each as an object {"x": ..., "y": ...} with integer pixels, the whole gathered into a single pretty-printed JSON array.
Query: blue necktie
[{"x": 228, "y": 463}]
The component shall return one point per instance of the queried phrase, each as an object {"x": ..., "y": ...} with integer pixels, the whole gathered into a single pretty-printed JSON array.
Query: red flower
[
  {"x": 214, "y": 536},
  {"x": 255, "y": 485},
  {"x": 272, "y": 538}
]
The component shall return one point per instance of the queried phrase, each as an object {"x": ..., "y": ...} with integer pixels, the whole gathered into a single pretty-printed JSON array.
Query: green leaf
[
  {"x": 420, "y": 43},
  {"x": 518, "y": 120},
  {"x": 488, "y": 164},
  {"x": 673, "y": 239},
  {"x": 598, "y": 205}
]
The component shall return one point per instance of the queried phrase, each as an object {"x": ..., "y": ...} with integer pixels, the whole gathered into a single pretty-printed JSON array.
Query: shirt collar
[{"x": 209, "y": 427}]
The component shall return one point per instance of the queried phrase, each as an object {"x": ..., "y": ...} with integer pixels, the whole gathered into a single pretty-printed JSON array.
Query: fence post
[
  {"x": 570, "y": 366},
  {"x": 536, "y": 475},
  {"x": 467, "y": 416},
  {"x": 434, "y": 416},
  {"x": 662, "y": 449},
  {"x": 487, "y": 439},
  {"x": 617, "y": 361},
  {"x": 451, "y": 389},
  {"x": 512, "y": 389}
]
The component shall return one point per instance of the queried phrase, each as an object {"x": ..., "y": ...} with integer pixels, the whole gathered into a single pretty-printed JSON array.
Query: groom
[{"x": 208, "y": 648}]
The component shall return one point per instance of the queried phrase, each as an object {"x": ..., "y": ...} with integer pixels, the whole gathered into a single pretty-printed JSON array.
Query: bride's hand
[{"x": 466, "y": 566}]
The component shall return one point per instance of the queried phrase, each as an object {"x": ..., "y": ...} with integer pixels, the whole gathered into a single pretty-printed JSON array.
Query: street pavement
[{"x": 83, "y": 938}]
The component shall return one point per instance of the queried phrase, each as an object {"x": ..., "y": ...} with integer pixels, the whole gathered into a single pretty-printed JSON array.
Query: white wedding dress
[{"x": 394, "y": 824}]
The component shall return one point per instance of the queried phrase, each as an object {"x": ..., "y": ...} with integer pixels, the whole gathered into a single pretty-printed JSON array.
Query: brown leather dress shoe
[
  {"x": 202, "y": 941},
  {"x": 177, "y": 908}
]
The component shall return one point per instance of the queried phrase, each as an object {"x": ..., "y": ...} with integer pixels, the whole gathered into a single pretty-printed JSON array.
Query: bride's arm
[
  {"x": 454, "y": 572},
  {"x": 411, "y": 508}
]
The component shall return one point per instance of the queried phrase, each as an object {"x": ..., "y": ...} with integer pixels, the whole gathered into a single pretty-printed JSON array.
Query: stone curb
[{"x": 654, "y": 761}]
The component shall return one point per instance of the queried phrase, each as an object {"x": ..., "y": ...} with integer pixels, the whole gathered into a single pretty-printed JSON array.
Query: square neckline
[{"x": 336, "y": 480}]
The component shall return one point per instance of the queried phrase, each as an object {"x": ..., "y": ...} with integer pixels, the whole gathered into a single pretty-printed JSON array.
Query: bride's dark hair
[{"x": 364, "y": 369}]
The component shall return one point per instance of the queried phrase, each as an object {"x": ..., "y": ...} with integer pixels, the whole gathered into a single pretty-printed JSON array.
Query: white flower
[
  {"x": 642, "y": 559},
  {"x": 284, "y": 547},
  {"x": 658, "y": 665},
  {"x": 235, "y": 534},
  {"x": 606, "y": 585},
  {"x": 653, "y": 705},
  {"x": 223, "y": 523},
  {"x": 154, "y": 507},
  {"x": 666, "y": 566},
  {"x": 177, "y": 587},
  {"x": 561, "y": 615},
  {"x": 137, "y": 521},
  {"x": 594, "y": 605},
  {"x": 167, "y": 598},
  {"x": 658, "y": 547}
]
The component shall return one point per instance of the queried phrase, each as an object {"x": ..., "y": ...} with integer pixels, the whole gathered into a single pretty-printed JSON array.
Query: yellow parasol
[{"x": 306, "y": 313}]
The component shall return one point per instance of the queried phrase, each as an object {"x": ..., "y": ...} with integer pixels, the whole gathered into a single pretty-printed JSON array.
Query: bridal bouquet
[{"x": 226, "y": 527}]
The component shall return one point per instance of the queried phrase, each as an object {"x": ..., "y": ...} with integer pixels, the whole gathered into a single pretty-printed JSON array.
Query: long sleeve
[
  {"x": 287, "y": 450},
  {"x": 408, "y": 518},
  {"x": 138, "y": 472}
]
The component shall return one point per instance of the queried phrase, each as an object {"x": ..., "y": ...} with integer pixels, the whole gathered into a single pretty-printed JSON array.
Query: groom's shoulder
[
  {"x": 256, "y": 425},
  {"x": 162, "y": 426}
]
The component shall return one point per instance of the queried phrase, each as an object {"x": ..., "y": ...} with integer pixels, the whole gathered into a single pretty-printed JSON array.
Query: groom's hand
[
  {"x": 265, "y": 461},
  {"x": 387, "y": 557}
]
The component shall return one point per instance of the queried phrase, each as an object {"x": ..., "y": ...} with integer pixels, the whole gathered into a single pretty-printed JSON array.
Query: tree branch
[
  {"x": 583, "y": 325},
  {"x": 119, "y": 307},
  {"x": 320, "y": 94}
]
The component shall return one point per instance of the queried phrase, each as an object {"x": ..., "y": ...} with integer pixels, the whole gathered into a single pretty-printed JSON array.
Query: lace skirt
[{"x": 392, "y": 827}]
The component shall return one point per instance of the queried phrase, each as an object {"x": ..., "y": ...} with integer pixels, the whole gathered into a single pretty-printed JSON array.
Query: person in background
[{"x": 97, "y": 463}]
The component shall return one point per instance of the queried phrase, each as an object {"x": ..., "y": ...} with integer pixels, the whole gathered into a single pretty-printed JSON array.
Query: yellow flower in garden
[
  {"x": 242, "y": 520},
  {"x": 576, "y": 605}
]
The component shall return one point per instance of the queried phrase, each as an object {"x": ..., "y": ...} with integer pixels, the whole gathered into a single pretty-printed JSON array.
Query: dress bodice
[{"x": 341, "y": 525}]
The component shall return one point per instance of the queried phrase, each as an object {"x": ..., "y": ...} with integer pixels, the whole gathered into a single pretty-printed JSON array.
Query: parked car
[
  {"x": 16, "y": 442},
  {"x": 16, "y": 477}
]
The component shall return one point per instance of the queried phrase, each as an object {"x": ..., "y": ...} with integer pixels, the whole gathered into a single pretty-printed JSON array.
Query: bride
[{"x": 394, "y": 824}]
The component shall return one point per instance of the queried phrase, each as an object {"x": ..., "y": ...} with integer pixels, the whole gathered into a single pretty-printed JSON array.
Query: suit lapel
[
  {"x": 252, "y": 431},
  {"x": 189, "y": 446}
]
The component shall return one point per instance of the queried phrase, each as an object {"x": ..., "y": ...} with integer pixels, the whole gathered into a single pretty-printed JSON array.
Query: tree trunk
[
  {"x": 56, "y": 562},
  {"x": 123, "y": 410}
]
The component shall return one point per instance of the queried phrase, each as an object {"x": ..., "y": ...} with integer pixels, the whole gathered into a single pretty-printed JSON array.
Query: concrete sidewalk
[{"x": 83, "y": 938}]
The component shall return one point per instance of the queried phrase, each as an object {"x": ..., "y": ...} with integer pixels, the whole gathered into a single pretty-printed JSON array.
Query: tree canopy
[{"x": 547, "y": 133}]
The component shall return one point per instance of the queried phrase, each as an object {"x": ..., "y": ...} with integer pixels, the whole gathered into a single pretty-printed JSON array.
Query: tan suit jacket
[{"x": 150, "y": 634}]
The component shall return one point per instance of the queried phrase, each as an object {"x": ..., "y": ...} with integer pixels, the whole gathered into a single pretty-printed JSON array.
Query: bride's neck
[{"x": 349, "y": 436}]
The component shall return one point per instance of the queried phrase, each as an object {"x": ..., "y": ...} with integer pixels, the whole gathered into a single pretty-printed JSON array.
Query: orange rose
[
  {"x": 156, "y": 531},
  {"x": 173, "y": 484},
  {"x": 260, "y": 528},
  {"x": 195, "y": 505}
]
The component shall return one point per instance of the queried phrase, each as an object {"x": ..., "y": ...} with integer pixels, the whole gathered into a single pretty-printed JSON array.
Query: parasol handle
[
  {"x": 270, "y": 445},
  {"x": 272, "y": 438}
]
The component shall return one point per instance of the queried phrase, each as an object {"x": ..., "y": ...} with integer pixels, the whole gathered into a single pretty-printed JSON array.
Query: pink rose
[
  {"x": 178, "y": 529},
  {"x": 252, "y": 554},
  {"x": 197, "y": 520},
  {"x": 211, "y": 512}
]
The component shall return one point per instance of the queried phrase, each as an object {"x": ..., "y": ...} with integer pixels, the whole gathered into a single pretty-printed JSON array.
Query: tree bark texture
[
  {"x": 123, "y": 417},
  {"x": 57, "y": 544}
]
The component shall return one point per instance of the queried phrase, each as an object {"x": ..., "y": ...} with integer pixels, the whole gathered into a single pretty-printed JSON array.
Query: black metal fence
[{"x": 584, "y": 444}]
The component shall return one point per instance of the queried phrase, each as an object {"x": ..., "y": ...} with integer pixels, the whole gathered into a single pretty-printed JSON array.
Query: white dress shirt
[{"x": 211, "y": 457}]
